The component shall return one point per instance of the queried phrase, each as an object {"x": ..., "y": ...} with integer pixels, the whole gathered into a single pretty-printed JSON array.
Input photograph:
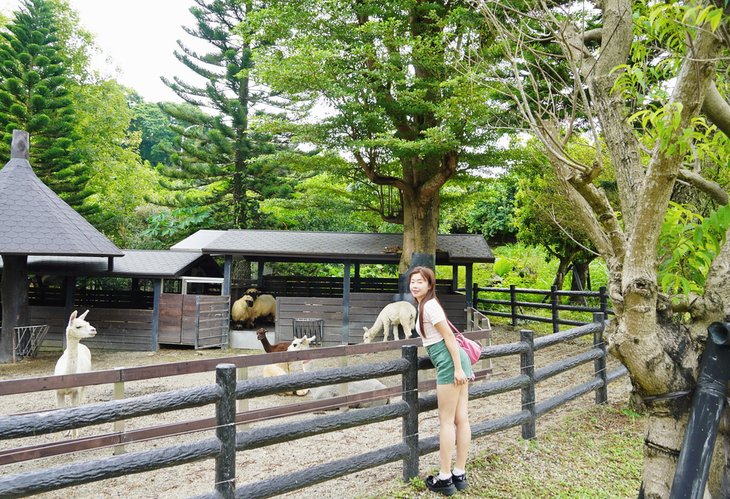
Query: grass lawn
[{"x": 595, "y": 452}]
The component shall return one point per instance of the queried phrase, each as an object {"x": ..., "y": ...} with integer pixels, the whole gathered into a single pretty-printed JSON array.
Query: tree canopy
[
  {"x": 641, "y": 92},
  {"x": 395, "y": 101}
]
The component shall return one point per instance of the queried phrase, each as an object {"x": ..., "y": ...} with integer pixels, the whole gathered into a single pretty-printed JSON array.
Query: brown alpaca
[{"x": 277, "y": 347}]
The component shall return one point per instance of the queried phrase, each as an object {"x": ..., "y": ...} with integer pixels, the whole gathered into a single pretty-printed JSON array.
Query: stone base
[{"x": 247, "y": 340}]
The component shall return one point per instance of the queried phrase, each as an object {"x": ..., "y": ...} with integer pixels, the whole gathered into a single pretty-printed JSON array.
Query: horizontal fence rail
[
  {"x": 416, "y": 397},
  {"x": 512, "y": 302}
]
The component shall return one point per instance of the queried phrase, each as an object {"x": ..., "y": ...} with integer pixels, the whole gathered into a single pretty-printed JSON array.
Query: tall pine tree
[
  {"x": 34, "y": 96},
  {"x": 215, "y": 159}
]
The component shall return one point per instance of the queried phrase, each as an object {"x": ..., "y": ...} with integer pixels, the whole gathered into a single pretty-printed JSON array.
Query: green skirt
[{"x": 441, "y": 359}]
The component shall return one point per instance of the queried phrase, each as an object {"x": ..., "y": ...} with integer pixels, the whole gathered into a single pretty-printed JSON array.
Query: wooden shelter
[
  {"x": 35, "y": 221},
  {"x": 136, "y": 313},
  {"x": 347, "y": 304}
]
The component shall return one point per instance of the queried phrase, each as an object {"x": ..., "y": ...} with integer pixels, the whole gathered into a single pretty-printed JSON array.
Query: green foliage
[
  {"x": 154, "y": 129},
  {"x": 120, "y": 182},
  {"x": 173, "y": 226},
  {"x": 398, "y": 104},
  {"x": 493, "y": 214},
  {"x": 687, "y": 247},
  {"x": 35, "y": 96},
  {"x": 214, "y": 162}
]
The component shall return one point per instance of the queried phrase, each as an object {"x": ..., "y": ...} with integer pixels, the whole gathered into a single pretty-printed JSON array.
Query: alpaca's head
[
  {"x": 261, "y": 333},
  {"x": 301, "y": 343},
  {"x": 78, "y": 328},
  {"x": 369, "y": 335}
]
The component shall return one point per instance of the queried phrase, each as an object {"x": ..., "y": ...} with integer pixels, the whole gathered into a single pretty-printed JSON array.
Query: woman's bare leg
[
  {"x": 448, "y": 399},
  {"x": 463, "y": 428}
]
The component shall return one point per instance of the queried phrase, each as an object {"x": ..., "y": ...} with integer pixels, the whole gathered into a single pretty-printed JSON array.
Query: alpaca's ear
[
  {"x": 82, "y": 316},
  {"x": 73, "y": 316}
]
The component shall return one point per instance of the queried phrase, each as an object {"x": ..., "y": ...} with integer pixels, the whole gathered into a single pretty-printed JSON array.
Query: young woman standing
[{"x": 453, "y": 371}]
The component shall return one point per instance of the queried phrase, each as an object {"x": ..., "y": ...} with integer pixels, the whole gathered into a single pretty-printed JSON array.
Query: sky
[{"x": 137, "y": 39}]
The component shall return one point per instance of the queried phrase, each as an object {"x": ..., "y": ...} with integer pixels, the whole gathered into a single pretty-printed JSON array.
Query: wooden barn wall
[
  {"x": 364, "y": 309},
  {"x": 116, "y": 329}
]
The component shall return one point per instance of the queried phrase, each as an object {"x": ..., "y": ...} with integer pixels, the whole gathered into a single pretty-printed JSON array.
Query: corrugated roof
[
  {"x": 35, "y": 221},
  {"x": 301, "y": 246},
  {"x": 150, "y": 264}
]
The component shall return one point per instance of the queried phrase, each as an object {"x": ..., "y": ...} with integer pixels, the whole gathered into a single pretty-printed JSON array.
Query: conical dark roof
[{"x": 35, "y": 221}]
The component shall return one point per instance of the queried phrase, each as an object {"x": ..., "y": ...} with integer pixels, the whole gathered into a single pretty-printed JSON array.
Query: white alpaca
[
  {"x": 283, "y": 368},
  {"x": 393, "y": 314},
  {"x": 76, "y": 359},
  {"x": 331, "y": 391}
]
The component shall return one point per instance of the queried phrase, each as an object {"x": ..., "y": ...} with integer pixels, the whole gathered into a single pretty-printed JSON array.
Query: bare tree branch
[
  {"x": 712, "y": 189},
  {"x": 716, "y": 108}
]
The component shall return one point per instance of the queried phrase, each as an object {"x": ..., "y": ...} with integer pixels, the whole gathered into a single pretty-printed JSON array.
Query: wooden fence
[
  {"x": 511, "y": 303},
  {"x": 325, "y": 286},
  {"x": 117, "y": 329},
  {"x": 223, "y": 447}
]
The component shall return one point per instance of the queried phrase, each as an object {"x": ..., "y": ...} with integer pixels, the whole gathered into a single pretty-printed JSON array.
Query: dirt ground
[{"x": 257, "y": 464}]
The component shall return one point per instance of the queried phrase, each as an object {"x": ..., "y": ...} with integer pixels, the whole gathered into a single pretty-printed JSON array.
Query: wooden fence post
[
  {"x": 225, "y": 411},
  {"x": 513, "y": 304},
  {"x": 603, "y": 298},
  {"x": 599, "y": 365},
  {"x": 410, "y": 420},
  {"x": 119, "y": 425},
  {"x": 554, "y": 307},
  {"x": 527, "y": 367}
]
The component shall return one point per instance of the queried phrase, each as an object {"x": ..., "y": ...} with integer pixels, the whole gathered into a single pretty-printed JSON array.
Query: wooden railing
[
  {"x": 226, "y": 443},
  {"x": 516, "y": 304}
]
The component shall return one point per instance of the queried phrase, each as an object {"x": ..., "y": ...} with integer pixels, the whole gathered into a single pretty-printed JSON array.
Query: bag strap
[{"x": 454, "y": 329}]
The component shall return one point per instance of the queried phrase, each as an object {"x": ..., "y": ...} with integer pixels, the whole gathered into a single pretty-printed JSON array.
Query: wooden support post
[
  {"x": 410, "y": 420},
  {"x": 157, "y": 292},
  {"x": 513, "y": 304},
  {"x": 225, "y": 411},
  {"x": 527, "y": 367},
  {"x": 554, "y": 308},
  {"x": 119, "y": 426}
]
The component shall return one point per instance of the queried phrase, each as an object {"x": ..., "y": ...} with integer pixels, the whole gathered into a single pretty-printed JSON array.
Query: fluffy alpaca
[
  {"x": 282, "y": 346},
  {"x": 283, "y": 368},
  {"x": 393, "y": 314},
  {"x": 331, "y": 391},
  {"x": 76, "y": 359}
]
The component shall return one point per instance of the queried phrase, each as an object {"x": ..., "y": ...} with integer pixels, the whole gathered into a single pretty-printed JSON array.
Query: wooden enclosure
[
  {"x": 201, "y": 321},
  {"x": 364, "y": 309}
]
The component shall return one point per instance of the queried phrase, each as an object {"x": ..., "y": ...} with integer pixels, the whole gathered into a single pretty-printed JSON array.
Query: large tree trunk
[
  {"x": 421, "y": 186},
  {"x": 657, "y": 338}
]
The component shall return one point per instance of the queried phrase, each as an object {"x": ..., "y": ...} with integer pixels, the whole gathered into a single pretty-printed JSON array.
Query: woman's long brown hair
[{"x": 430, "y": 278}]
